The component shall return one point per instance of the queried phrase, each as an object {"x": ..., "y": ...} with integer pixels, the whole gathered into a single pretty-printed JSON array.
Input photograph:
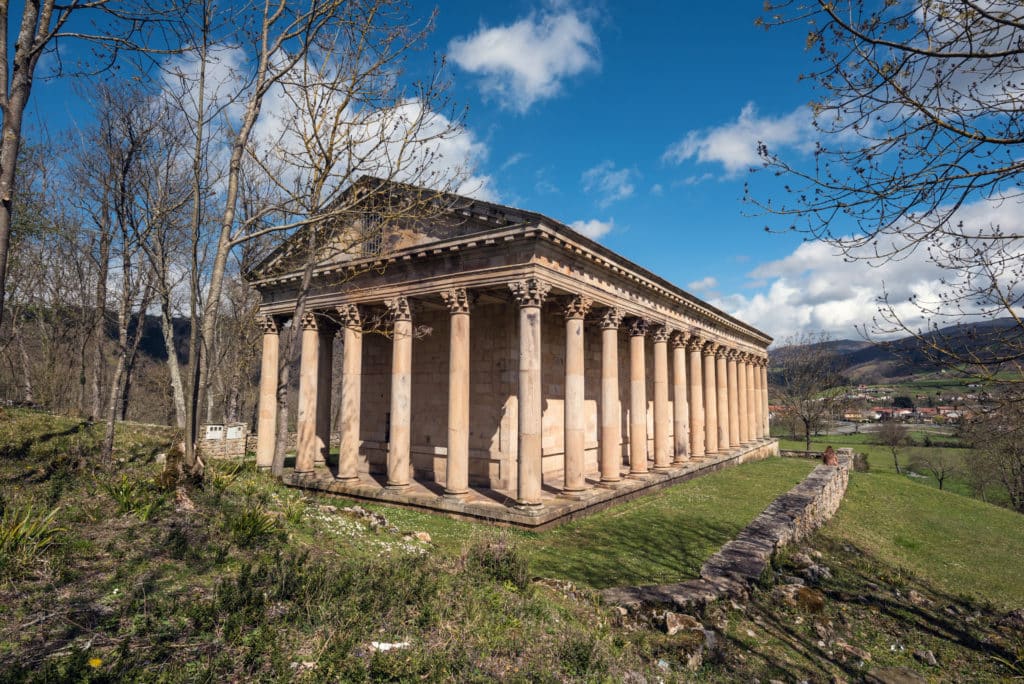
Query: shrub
[
  {"x": 25, "y": 535},
  {"x": 251, "y": 527},
  {"x": 500, "y": 561},
  {"x": 134, "y": 497}
]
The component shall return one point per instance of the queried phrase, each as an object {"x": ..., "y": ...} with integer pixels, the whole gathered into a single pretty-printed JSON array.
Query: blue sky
[{"x": 636, "y": 122}]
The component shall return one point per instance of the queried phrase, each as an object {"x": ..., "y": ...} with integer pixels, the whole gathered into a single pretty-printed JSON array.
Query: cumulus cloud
[
  {"x": 528, "y": 60},
  {"x": 734, "y": 145},
  {"x": 704, "y": 284},
  {"x": 815, "y": 289},
  {"x": 593, "y": 228},
  {"x": 611, "y": 183}
]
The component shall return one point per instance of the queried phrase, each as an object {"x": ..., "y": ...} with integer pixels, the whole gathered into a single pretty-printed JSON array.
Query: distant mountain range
[{"x": 865, "y": 361}]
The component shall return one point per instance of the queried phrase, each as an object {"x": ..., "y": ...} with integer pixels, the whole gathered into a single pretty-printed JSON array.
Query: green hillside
[{"x": 105, "y": 575}]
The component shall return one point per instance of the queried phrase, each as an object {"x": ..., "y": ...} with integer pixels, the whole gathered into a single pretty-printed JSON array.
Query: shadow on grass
[
  {"x": 632, "y": 551},
  {"x": 866, "y": 591},
  {"x": 18, "y": 451}
]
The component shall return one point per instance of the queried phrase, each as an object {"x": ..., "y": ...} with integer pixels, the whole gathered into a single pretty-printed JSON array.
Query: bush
[
  {"x": 500, "y": 561},
  {"x": 25, "y": 535},
  {"x": 251, "y": 527},
  {"x": 134, "y": 497}
]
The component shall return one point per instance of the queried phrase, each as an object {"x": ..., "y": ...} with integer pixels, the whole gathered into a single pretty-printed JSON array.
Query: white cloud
[
  {"x": 613, "y": 184},
  {"x": 734, "y": 145},
  {"x": 814, "y": 289},
  {"x": 528, "y": 61},
  {"x": 657, "y": 189},
  {"x": 704, "y": 284},
  {"x": 593, "y": 228}
]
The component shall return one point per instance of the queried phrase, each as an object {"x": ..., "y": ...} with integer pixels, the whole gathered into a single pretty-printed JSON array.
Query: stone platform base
[{"x": 499, "y": 507}]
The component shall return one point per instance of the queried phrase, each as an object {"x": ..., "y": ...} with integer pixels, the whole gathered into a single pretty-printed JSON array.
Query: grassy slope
[
  {"x": 664, "y": 537},
  {"x": 181, "y": 597},
  {"x": 961, "y": 545}
]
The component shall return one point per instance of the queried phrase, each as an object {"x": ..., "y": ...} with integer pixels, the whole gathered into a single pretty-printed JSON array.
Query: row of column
[{"x": 719, "y": 395}]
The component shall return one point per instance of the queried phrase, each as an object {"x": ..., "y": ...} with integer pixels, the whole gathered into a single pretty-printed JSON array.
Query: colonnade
[{"x": 719, "y": 393}]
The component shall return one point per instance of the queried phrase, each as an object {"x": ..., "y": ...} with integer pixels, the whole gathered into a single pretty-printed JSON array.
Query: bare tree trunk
[
  {"x": 99, "y": 322},
  {"x": 27, "y": 393},
  {"x": 173, "y": 367}
]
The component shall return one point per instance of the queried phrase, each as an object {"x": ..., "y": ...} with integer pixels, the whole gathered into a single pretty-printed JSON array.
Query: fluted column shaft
[
  {"x": 530, "y": 294},
  {"x": 752, "y": 427},
  {"x": 696, "y": 398},
  {"x": 306, "y": 446},
  {"x": 764, "y": 399},
  {"x": 680, "y": 405},
  {"x": 734, "y": 407},
  {"x": 266, "y": 427},
  {"x": 457, "y": 466},
  {"x": 325, "y": 374},
  {"x": 611, "y": 417},
  {"x": 722, "y": 394},
  {"x": 662, "y": 446},
  {"x": 755, "y": 397},
  {"x": 710, "y": 400},
  {"x": 637, "y": 398},
  {"x": 742, "y": 411},
  {"x": 351, "y": 392},
  {"x": 574, "y": 420},
  {"x": 399, "y": 466}
]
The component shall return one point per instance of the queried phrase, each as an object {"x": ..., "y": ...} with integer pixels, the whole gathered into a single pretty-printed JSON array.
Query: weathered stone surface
[{"x": 678, "y": 622}]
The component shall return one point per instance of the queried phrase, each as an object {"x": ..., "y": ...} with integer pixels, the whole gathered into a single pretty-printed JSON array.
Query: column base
[
  {"x": 661, "y": 468},
  {"x": 529, "y": 508},
  {"x": 349, "y": 479},
  {"x": 455, "y": 496},
  {"x": 610, "y": 484},
  {"x": 639, "y": 475},
  {"x": 396, "y": 487}
]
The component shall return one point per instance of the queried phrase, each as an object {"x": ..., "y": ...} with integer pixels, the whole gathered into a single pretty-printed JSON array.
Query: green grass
[
  {"x": 664, "y": 537},
  {"x": 255, "y": 579},
  {"x": 961, "y": 545}
]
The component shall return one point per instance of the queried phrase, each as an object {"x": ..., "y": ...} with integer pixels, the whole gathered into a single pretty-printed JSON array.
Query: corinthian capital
[{"x": 529, "y": 291}]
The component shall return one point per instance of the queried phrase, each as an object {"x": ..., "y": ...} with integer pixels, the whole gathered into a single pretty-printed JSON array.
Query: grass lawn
[
  {"x": 960, "y": 545},
  {"x": 664, "y": 537}
]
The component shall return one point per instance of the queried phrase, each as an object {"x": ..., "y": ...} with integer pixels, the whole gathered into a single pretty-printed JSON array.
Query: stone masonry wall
[{"x": 741, "y": 562}]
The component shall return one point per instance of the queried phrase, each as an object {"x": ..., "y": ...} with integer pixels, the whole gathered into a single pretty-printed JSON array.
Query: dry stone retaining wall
[{"x": 741, "y": 562}]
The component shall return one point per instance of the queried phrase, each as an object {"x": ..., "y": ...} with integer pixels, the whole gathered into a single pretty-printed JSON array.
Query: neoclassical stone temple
[{"x": 495, "y": 363}]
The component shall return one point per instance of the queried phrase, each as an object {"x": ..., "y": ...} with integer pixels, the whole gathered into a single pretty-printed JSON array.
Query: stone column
[
  {"x": 722, "y": 394},
  {"x": 680, "y": 405},
  {"x": 574, "y": 421},
  {"x": 741, "y": 398},
  {"x": 710, "y": 399},
  {"x": 399, "y": 466},
  {"x": 662, "y": 447},
  {"x": 696, "y": 395},
  {"x": 325, "y": 374},
  {"x": 765, "y": 418},
  {"x": 637, "y": 398},
  {"x": 266, "y": 426},
  {"x": 752, "y": 428},
  {"x": 611, "y": 416},
  {"x": 733, "y": 398},
  {"x": 306, "y": 446},
  {"x": 457, "y": 468},
  {"x": 530, "y": 294},
  {"x": 351, "y": 391},
  {"x": 755, "y": 397}
]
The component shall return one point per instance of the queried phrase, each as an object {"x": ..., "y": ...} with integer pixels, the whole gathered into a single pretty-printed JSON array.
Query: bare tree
[
  {"x": 335, "y": 69},
  {"x": 894, "y": 435},
  {"x": 940, "y": 463},
  {"x": 998, "y": 448},
  {"x": 921, "y": 142},
  {"x": 808, "y": 383}
]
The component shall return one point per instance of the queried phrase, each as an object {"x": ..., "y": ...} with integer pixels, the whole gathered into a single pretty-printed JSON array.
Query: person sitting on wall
[{"x": 829, "y": 457}]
